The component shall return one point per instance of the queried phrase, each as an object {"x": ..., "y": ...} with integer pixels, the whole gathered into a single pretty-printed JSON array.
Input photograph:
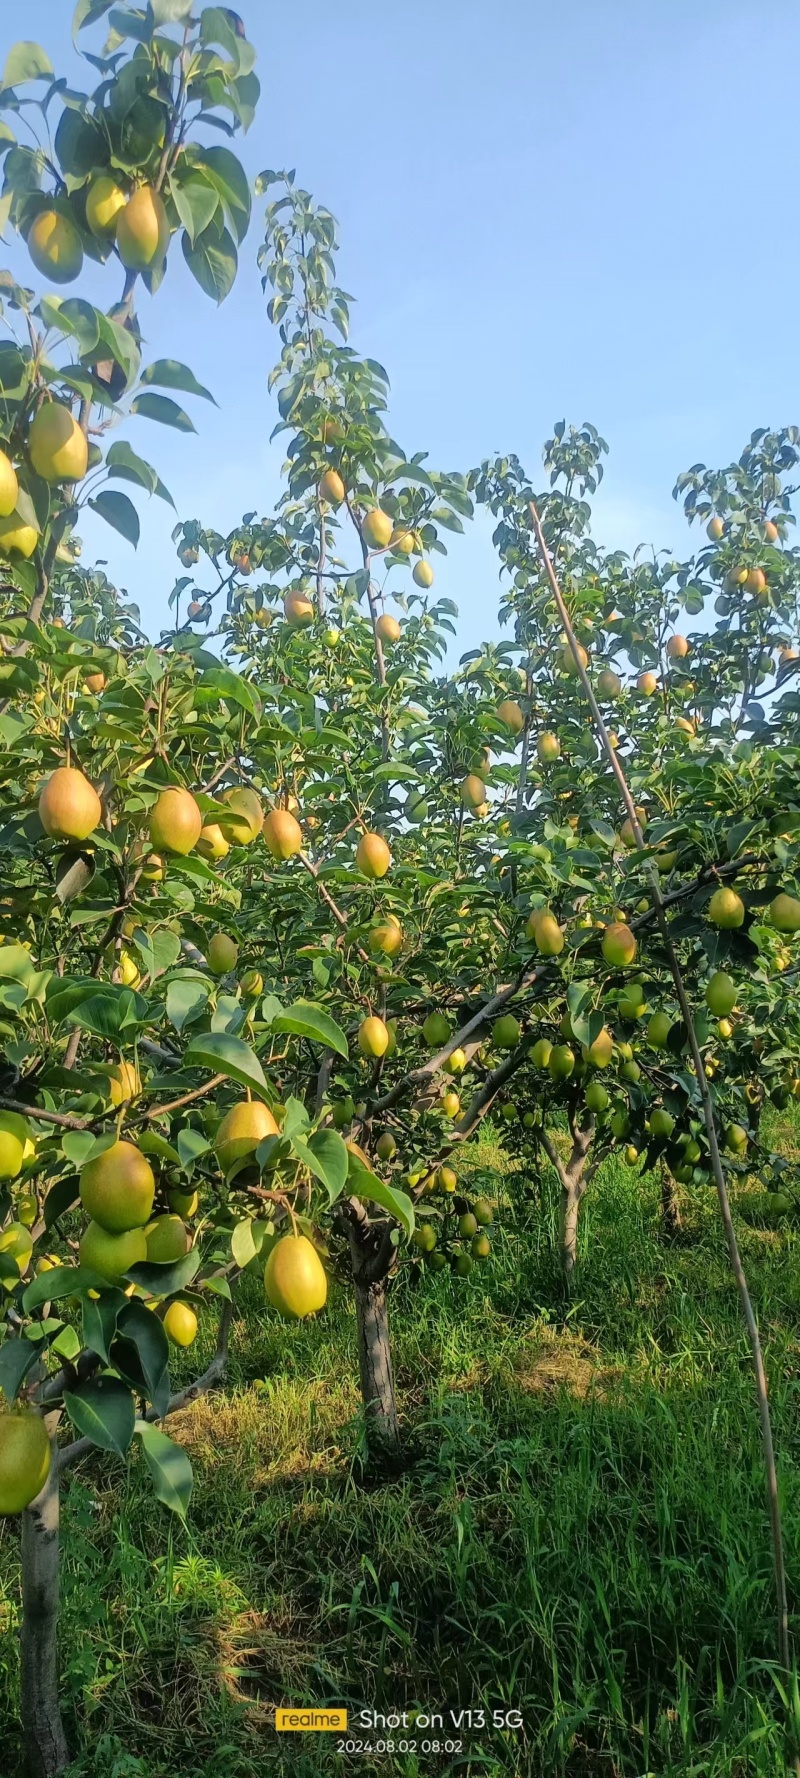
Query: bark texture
[
  {"x": 45, "y": 1743},
  {"x": 372, "y": 1256},
  {"x": 375, "y": 1368}
]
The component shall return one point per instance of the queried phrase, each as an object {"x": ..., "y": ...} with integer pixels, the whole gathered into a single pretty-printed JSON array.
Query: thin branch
[
  {"x": 418, "y": 1076},
  {"x": 46, "y": 1117},
  {"x": 185, "y": 1098},
  {"x": 341, "y": 919}
]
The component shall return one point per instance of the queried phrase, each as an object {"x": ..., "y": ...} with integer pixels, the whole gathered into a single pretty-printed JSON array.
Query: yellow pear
[
  {"x": 9, "y": 486},
  {"x": 373, "y": 856},
  {"x": 180, "y": 1324},
  {"x": 294, "y": 1278},
  {"x": 55, "y": 246},
  {"x": 57, "y": 444},
  {"x": 142, "y": 230},
  {"x": 104, "y": 200},
  {"x": 69, "y": 806},
  {"x": 175, "y": 822},
  {"x": 117, "y": 1188},
  {"x": 17, "y": 537},
  {"x": 241, "y": 1130},
  {"x": 24, "y": 1460},
  {"x": 283, "y": 835}
]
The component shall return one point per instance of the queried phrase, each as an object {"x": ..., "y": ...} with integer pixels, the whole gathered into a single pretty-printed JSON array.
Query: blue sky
[{"x": 548, "y": 209}]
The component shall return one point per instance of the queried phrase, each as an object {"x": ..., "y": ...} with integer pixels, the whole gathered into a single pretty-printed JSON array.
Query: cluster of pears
[
  {"x": 465, "y": 1237},
  {"x": 380, "y": 533},
  {"x": 70, "y": 809},
  {"x": 16, "y": 1150},
  {"x": 58, "y": 453},
  {"x": 376, "y": 1036},
  {"x": 295, "y": 1280},
  {"x": 117, "y": 1191},
  {"x": 135, "y": 222}
]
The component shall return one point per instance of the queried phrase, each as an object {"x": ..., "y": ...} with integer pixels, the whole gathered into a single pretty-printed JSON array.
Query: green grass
[{"x": 580, "y": 1533}]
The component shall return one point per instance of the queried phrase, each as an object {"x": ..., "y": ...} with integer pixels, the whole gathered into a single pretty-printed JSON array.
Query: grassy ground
[{"x": 580, "y": 1535}]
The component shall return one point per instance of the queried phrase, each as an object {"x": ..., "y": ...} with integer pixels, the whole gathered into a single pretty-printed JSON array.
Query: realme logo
[{"x": 310, "y": 1719}]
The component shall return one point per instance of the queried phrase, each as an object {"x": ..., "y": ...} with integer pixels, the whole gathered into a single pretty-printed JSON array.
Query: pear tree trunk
[
  {"x": 574, "y": 1175},
  {"x": 570, "y": 1207},
  {"x": 375, "y": 1368},
  {"x": 670, "y": 1211},
  {"x": 44, "y": 1740},
  {"x": 372, "y": 1255}
]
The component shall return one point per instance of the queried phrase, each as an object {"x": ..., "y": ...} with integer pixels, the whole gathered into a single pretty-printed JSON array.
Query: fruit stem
[{"x": 784, "y": 1649}]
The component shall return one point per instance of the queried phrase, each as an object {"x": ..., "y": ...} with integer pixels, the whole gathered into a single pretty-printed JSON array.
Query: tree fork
[
  {"x": 776, "y": 1530},
  {"x": 574, "y": 1179}
]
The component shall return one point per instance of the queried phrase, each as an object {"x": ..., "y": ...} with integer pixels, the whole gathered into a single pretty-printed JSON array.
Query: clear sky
[{"x": 548, "y": 209}]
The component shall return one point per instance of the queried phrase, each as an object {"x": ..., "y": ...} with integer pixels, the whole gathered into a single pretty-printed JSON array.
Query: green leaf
[
  {"x": 304, "y": 1019},
  {"x": 62, "y": 1281},
  {"x": 168, "y": 1465},
  {"x": 102, "y": 1409},
  {"x": 110, "y": 1011},
  {"x": 366, "y": 1184},
  {"x": 191, "y": 1145},
  {"x": 15, "y": 963},
  {"x": 224, "y": 1054},
  {"x": 217, "y": 27},
  {"x": 79, "y": 144},
  {"x": 159, "y": 407},
  {"x": 119, "y": 512},
  {"x": 99, "y": 1320},
  {"x": 16, "y": 1359},
  {"x": 124, "y": 463},
  {"x": 158, "y": 950},
  {"x": 71, "y": 315},
  {"x": 327, "y": 1157},
  {"x": 196, "y": 200},
  {"x": 66, "y": 1345},
  {"x": 122, "y": 345},
  {"x": 165, "y": 1280},
  {"x": 60, "y": 1198},
  {"x": 167, "y": 12},
  {"x": 245, "y": 93},
  {"x": 14, "y": 372},
  {"x": 26, "y": 61},
  {"x": 212, "y": 260},
  {"x": 77, "y": 1146},
  {"x": 151, "y": 1143},
  {"x": 228, "y": 175},
  {"x": 229, "y": 1014},
  {"x": 243, "y": 1247},
  {"x": 129, "y": 24},
  {"x": 87, "y": 12},
  {"x": 217, "y": 682},
  {"x": 295, "y": 1117},
  {"x": 168, "y": 373},
  {"x": 142, "y": 1329},
  {"x": 186, "y": 1000}
]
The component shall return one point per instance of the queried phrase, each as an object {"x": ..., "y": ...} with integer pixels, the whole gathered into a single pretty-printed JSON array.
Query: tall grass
[{"x": 580, "y": 1533}]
